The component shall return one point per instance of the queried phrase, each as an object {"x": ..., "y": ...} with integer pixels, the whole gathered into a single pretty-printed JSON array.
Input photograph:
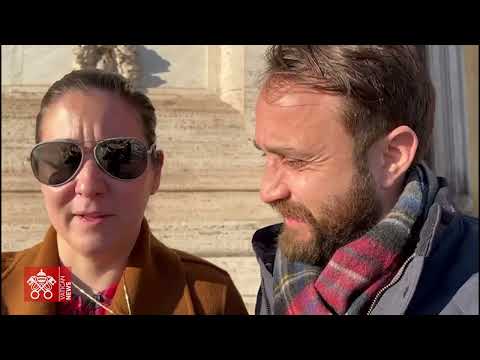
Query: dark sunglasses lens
[
  {"x": 54, "y": 163},
  {"x": 122, "y": 158}
]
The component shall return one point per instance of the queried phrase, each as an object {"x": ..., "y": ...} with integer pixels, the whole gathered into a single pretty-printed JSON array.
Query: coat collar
[{"x": 154, "y": 278}]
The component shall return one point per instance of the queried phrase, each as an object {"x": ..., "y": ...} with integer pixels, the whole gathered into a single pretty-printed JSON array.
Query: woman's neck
[{"x": 92, "y": 273}]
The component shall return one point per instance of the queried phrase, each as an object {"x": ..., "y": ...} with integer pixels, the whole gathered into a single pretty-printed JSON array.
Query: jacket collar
[
  {"x": 154, "y": 279},
  {"x": 264, "y": 243},
  {"x": 41, "y": 255}
]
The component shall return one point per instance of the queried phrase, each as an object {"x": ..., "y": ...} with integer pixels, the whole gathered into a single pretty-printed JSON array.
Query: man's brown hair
[{"x": 384, "y": 86}]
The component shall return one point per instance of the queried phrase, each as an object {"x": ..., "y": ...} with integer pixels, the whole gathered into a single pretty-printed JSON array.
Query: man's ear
[
  {"x": 157, "y": 170},
  {"x": 394, "y": 155}
]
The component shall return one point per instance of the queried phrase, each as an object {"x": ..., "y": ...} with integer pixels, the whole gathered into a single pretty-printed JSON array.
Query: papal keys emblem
[{"x": 41, "y": 283}]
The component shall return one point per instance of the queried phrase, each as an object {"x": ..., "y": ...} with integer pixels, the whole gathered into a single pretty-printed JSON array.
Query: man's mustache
[{"x": 293, "y": 210}]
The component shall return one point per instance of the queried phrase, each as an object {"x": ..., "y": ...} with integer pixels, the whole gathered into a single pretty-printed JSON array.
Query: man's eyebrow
[{"x": 280, "y": 150}]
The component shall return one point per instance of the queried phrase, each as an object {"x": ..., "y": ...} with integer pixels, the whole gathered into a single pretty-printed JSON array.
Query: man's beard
[{"x": 341, "y": 220}]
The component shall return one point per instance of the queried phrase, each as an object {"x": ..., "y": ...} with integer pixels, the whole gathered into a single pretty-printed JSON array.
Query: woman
[{"x": 97, "y": 164}]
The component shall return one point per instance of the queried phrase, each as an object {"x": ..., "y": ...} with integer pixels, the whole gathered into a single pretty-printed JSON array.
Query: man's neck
[{"x": 390, "y": 198}]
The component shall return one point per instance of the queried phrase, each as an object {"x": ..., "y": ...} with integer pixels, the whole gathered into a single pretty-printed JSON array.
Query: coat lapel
[
  {"x": 42, "y": 255},
  {"x": 154, "y": 279}
]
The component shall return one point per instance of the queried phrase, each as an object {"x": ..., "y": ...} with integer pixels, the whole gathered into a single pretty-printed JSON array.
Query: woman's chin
[{"x": 91, "y": 246}]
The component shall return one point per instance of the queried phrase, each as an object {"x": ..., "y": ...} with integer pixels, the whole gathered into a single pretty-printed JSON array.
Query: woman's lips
[{"x": 93, "y": 218}]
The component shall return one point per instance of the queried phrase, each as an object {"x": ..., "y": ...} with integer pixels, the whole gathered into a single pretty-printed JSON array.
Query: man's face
[{"x": 310, "y": 175}]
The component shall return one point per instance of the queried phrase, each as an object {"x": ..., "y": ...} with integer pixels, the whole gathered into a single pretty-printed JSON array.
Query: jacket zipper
[{"x": 395, "y": 279}]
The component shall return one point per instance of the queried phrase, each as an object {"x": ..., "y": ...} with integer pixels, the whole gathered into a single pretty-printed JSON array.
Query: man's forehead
[{"x": 296, "y": 95}]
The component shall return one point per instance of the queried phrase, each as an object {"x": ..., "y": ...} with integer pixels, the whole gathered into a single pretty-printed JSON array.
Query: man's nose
[{"x": 273, "y": 186}]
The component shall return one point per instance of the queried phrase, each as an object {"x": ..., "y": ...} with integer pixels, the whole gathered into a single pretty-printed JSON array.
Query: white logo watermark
[{"x": 41, "y": 283}]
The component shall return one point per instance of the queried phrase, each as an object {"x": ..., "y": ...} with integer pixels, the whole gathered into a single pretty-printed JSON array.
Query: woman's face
[{"x": 95, "y": 214}]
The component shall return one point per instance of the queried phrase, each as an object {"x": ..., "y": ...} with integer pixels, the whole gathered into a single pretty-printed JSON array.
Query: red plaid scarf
[
  {"x": 357, "y": 271},
  {"x": 81, "y": 305}
]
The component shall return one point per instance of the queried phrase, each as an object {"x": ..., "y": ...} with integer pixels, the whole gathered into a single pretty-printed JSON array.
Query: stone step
[{"x": 203, "y": 150}]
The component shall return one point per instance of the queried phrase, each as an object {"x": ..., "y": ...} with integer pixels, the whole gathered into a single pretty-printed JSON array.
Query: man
[{"x": 368, "y": 228}]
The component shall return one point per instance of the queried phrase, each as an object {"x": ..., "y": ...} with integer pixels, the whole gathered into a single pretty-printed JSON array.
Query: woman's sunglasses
[{"x": 55, "y": 163}]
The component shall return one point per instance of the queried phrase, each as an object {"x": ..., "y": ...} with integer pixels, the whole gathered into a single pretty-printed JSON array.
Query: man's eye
[{"x": 294, "y": 163}]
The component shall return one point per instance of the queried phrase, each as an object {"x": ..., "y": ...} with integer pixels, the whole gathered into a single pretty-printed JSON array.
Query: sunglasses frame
[{"x": 82, "y": 160}]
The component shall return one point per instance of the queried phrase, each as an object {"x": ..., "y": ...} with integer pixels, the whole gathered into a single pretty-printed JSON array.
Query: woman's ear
[
  {"x": 398, "y": 151},
  {"x": 157, "y": 163}
]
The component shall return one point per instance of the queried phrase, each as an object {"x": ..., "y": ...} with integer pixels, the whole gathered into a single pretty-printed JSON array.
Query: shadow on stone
[{"x": 152, "y": 64}]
